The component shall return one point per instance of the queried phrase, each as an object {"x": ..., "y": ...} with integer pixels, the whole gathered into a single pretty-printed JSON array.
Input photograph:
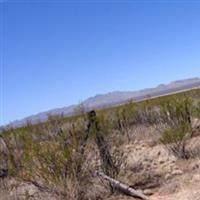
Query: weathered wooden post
[{"x": 107, "y": 163}]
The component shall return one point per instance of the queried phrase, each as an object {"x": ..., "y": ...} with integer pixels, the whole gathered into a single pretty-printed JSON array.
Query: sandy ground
[{"x": 147, "y": 167}]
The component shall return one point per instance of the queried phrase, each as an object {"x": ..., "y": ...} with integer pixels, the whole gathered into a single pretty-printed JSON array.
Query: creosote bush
[
  {"x": 125, "y": 118},
  {"x": 175, "y": 140},
  {"x": 176, "y": 114}
]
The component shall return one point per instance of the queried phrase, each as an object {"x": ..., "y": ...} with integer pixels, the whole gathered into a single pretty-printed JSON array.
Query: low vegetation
[{"x": 54, "y": 155}]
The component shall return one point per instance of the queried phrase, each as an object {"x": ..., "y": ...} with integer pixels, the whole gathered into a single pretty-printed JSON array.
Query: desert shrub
[
  {"x": 54, "y": 163},
  {"x": 53, "y": 125},
  {"x": 198, "y": 110},
  {"x": 50, "y": 162},
  {"x": 146, "y": 114},
  {"x": 125, "y": 117},
  {"x": 176, "y": 114},
  {"x": 172, "y": 135},
  {"x": 14, "y": 146},
  {"x": 174, "y": 140},
  {"x": 104, "y": 123}
]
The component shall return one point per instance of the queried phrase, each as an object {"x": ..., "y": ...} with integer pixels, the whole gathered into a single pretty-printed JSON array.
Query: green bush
[
  {"x": 176, "y": 112},
  {"x": 175, "y": 141},
  {"x": 173, "y": 135},
  {"x": 125, "y": 117}
]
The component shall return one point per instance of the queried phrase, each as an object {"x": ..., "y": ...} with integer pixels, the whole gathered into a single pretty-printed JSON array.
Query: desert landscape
[
  {"x": 151, "y": 146},
  {"x": 99, "y": 100}
]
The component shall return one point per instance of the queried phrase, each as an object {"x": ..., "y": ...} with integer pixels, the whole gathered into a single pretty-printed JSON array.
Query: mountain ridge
[{"x": 112, "y": 99}]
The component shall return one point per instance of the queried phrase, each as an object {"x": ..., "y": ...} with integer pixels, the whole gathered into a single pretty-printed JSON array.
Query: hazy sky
[{"x": 56, "y": 53}]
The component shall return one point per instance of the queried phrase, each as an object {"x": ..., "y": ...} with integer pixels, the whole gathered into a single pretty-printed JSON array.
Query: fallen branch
[{"x": 122, "y": 187}]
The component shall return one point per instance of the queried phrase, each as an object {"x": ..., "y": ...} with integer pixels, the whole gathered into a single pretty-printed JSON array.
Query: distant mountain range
[{"x": 114, "y": 98}]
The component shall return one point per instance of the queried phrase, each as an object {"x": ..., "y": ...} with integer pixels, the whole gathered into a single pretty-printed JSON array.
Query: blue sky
[{"x": 57, "y": 53}]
